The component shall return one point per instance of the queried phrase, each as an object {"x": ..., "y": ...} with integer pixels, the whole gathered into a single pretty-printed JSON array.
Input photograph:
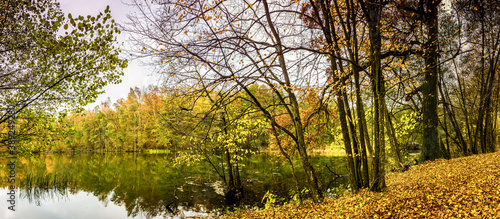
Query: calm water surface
[{"x": 140, "y": 185}]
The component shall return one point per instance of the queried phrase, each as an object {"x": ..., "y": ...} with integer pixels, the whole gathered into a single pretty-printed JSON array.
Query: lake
[{"x": 132, "y": 185}]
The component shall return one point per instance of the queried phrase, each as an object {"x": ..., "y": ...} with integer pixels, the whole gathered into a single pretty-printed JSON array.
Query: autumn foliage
[{"x": 463, "y": 187}]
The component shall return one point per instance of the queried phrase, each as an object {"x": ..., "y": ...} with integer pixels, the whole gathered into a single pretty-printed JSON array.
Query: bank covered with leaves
[{"x": 463, "y": 187}]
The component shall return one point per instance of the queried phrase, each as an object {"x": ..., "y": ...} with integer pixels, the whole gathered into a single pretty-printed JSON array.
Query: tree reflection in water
[{"x": 145, "y": 184}]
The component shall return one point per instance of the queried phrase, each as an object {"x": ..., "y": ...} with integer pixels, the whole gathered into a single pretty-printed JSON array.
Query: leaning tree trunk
[
  {"x": 392, "y": 137},
  {"x": 289, "y": 159},
  {"x": 312, "y": 177}
]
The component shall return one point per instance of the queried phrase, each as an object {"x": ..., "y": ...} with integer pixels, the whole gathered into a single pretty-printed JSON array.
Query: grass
[{"x": 467, "y": 187}]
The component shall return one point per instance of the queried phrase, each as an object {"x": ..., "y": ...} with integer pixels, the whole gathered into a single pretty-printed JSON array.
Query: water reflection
[{"x": 137, "y": 186}]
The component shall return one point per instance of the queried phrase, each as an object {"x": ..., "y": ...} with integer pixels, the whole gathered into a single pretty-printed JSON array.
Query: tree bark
[
  {"x": 372, "y": 10},
  {"x": 362, "y": 127},
  {"x": 430, "y": 147},
  {"x": 355, "y": 147}
]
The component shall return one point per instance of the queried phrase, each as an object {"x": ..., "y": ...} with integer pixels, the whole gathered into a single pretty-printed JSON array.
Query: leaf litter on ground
[{"x": 467, "y": 187}]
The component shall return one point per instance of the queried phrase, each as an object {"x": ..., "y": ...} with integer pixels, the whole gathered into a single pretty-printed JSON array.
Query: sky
[{"x": 135, "y": 74}]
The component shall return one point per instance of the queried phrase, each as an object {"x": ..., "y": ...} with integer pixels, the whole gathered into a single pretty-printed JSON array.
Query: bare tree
[{"x": 234, "y": 45}]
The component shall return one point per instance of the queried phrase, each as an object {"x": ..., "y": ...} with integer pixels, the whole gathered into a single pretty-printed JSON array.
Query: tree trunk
[
  {"x": 288, "y": 158},
  {"x": 372, "y": 11},
  {"x": 487, "y": 135},
  {"x": 347, "y": 143},
  {"x": 495, "y": 122},
  {"x": 392, "y": 137},
  {"x": 233, "y": 187},
  {"x": 430, "y": 147},
  {"x": 355, "y": 149},
  {"x": 312, "y": 178},
  {"x": 364, "y": 140},
  {"x": 231, "y": 191},
  {"x": 330, "y": 37},
  {"x": 451, "y": 114},
  {"x": 362, "y": 127}
]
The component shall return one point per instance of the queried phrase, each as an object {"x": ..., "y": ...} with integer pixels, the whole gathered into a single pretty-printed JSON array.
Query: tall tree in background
[
  {"x": 430, "y": 146},
  {"x": 425, "y": 12}
]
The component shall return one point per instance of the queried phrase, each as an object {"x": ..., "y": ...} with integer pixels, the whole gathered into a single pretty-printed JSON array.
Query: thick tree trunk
[
  {"x": 379, "y": 158},
  {"x": 372, "y": 11},
  {"x": 430, "y": 118}
]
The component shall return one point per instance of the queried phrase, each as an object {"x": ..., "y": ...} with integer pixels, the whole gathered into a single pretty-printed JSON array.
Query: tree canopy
[{"x": 49, "y": 61}]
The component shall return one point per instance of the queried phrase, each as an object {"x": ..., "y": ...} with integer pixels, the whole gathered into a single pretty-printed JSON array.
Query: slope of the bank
[{"x": 462, "y": 187}]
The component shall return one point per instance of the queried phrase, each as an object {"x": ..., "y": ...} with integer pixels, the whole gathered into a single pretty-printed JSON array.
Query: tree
[
  {"x": 417, "y": 13},
  {"x": 481, "y": 19},
  {"x": 430, "y": 147},
  {"x": 200, "y": 130},
  {"x": 152, "y": 103},
  {"x": 227, "y": 46},
  {"x": 130, "y": 119},
  {"x": 372, "y": 12},
  {"x": 48, "y": 61}
]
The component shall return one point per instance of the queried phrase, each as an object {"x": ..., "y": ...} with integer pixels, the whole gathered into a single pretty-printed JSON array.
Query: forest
[{"x": 386, "y": 84}]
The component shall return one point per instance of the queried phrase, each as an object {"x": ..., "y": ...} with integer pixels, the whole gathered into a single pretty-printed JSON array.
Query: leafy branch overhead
[{"x": 49, "y": 60}]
